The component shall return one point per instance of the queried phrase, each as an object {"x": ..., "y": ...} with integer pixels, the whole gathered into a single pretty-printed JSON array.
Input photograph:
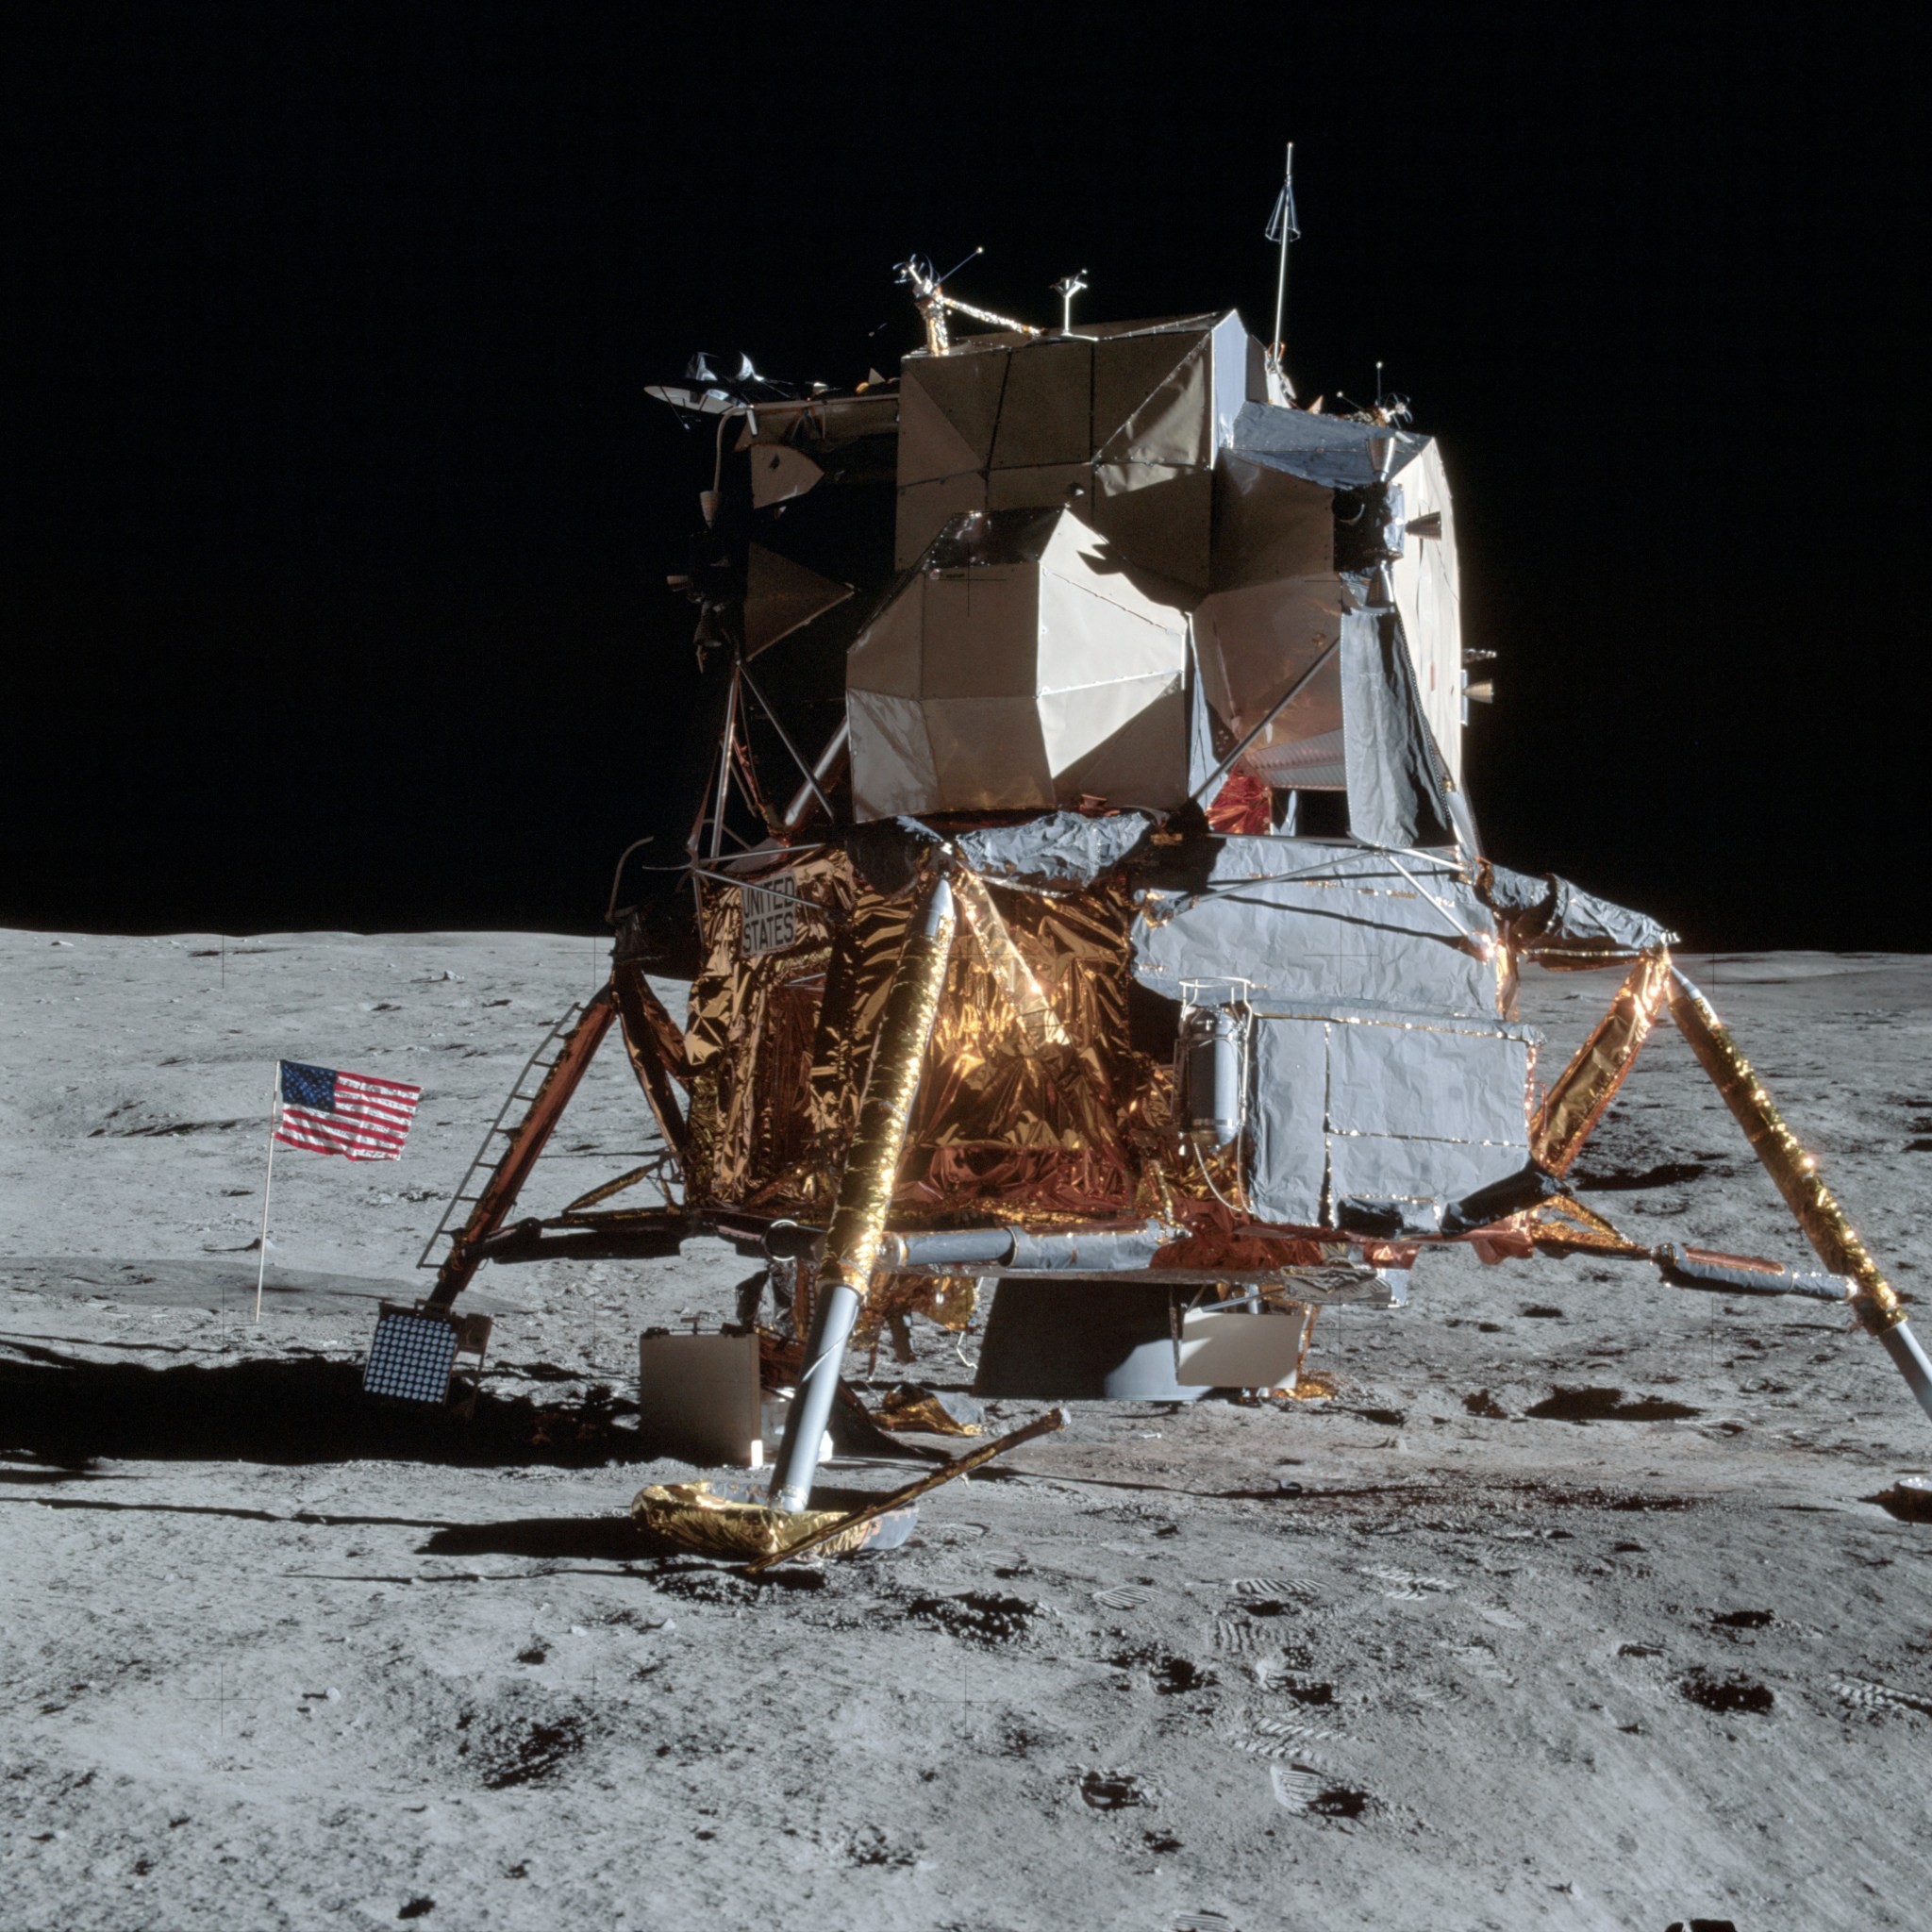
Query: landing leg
[
  {"x": 865, "y": 1190},
  {"x": 526, "y": 1141},
  {"x": 1835, "y": 1242}
]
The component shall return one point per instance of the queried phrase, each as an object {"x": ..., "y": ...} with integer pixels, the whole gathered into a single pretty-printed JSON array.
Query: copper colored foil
[
  {"x": 1795, "y": 1172},
  {"x": 871, "y": 1163},
  {"x": 1040, "y": 1027},
  {"x": 1588, "y": 1085}
]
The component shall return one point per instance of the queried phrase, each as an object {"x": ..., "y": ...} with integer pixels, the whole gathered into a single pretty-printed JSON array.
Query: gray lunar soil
[{"x": 1584, "y": 1602}]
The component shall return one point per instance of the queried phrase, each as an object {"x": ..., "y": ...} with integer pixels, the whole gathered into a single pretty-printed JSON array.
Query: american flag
[{"x": 353, "y": 1114}]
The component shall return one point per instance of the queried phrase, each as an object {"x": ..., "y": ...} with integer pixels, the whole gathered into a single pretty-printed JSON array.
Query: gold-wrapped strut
[
  {"x": 1588, "y": 1085},
  {"x": 866, "y": 1183},
  {"x": 871, "y": 1162},
  {"x": 1795, "y": 1172}
]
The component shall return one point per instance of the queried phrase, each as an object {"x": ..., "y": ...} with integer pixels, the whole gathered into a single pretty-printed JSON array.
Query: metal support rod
[
  {"x": 960, "y": 1465},
  {"x": 1902, "y": 1345},
  {"x": 865, "y": 1189},
  {"x": 1275, "y": 346},
  {"x": 266, "y": 1182},
  {"x": 1832, "y": 1238},
  {"x": 655, "y": 1050},
  {"x": 723, "y": 796},
  {"x": 785, "y": 738},
  {"x": 825, "y": 769},
  {"x": 526, "y": 1143},
  {"x": 1586, "y": 1086},
  {"x": 1211, "y": 783}
]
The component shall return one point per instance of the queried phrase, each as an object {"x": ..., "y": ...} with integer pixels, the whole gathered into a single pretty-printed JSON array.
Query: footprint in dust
[
  {"x": 1296, "y": 1790},
  {"x": 1293, "y": 1588},
  {"x": 1125, "y": 1597},
  {"x": 1239, "y": 1636},
  {"x": 1878, "y": 1700},
  {"x": 1406, "y": 1585},
  {"x": 1113, "y": 1791},
  {"x": 1285, "y": 1737}
]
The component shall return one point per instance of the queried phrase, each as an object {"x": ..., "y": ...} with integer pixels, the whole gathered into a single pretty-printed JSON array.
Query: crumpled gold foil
[
  {"x": 748, "y": 1042},
  {"x": 869, "y": 1173},
  {"x": 1006, "y": 1126},
  {"x": 1563, "y": 1223},
  {"x": 1587, "y": 1086},
  {"x": 1039, "y": 1025},
  {"x": 690, "y": 1515},
  {"x": 1832, "y": 1237},
  {"x": 951, "y": 1300},
  {"x": 921, "y": 1414}
]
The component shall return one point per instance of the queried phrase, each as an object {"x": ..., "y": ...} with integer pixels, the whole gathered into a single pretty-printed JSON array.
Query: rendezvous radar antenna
[
  {"x": 935, "y": 304},
  {"x": 1282, "y": 230}
]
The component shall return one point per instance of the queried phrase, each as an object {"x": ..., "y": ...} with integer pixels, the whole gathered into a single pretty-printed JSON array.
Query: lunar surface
[{"x": 1584, "y": 1602}]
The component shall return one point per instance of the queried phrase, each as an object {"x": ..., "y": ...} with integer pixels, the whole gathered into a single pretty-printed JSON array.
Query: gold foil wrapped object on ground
[
  {"x": 690, "y": 1515},
  {"x": 1795, "y": 1172},
  {"x": 922, "y": 1413}
]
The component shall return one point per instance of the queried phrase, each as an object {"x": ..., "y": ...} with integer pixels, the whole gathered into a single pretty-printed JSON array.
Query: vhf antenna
[
  {"x": 1282, "y": 229},
  {"x": 1066, "y": 288}
]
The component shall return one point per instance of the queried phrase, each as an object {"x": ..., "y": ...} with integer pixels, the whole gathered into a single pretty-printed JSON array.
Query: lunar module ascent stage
[{"x": 1124, "y": 922}]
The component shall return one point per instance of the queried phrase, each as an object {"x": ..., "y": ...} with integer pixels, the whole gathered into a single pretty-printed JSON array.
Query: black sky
[{"x": 337, "y": 521}]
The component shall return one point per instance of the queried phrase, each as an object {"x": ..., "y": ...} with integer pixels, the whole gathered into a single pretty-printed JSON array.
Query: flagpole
[{"x": 268, "y": 1181}]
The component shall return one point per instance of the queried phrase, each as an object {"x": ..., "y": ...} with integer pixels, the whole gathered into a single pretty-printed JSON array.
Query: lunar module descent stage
[{"x": 1130, "y": 924}]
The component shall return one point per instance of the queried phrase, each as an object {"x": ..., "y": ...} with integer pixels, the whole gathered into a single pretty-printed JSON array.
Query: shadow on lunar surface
[
  {"x": 1909, "y": 1501},
  {"x": 318, "y": 1518},
  {"x": 1608, "y": 1405},
  {"x": 210, "y": 1284},
  {"x": 67, "y": 1410},
  {"x": 613, "y": 1539},
  {"x": 591, "y": 1539},
  {"x": 1615, "y": 1180}
]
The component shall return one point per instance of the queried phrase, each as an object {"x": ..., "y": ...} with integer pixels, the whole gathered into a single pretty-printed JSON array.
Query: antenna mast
[{"x": 1282, "y": 228}]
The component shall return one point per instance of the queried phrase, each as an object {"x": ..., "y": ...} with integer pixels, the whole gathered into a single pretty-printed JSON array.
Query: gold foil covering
[
  {"x": 1795, "y": 1172},
  {"x": 1006, "y": 1126},
  {"x": 920, "y": 1414},
  {"x": 1561, "y": 1223},
  {"x": 690, "y": 1516},
  {"x": 1039, "y": 1024},
  {"x": 951, "y": 1300},
  {"x": 1588, "y": 1085},
  {"x": 871, "y": 1167}
]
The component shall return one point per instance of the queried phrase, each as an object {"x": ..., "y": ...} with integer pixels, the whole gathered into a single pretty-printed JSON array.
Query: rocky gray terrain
[{"x": 1584, "y": 1602}]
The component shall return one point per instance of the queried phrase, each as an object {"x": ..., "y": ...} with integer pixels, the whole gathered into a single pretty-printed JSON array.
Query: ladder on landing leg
[{"x": 509, "y": 1153}]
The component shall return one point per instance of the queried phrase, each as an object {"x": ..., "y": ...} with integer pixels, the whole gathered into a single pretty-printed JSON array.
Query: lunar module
[{"x": 1085, "y": 896}]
